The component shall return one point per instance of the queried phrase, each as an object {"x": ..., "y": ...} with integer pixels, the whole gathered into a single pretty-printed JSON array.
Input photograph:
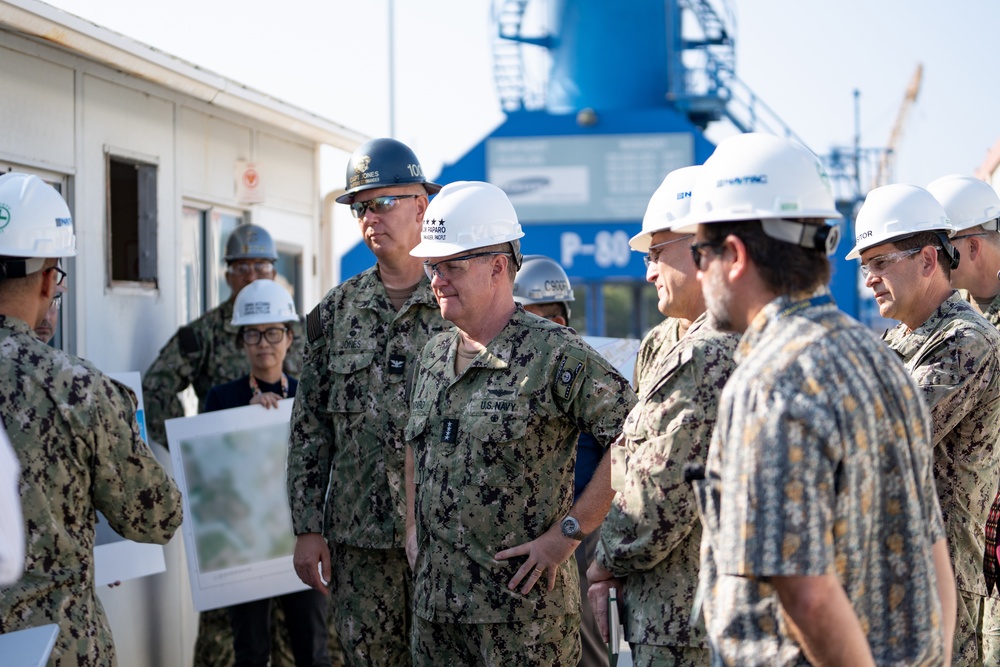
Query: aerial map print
[{"x": 236, "y": 489}]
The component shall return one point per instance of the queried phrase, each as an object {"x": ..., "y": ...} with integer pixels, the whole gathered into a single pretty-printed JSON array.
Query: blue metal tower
[{"x": 603, "y": 99}]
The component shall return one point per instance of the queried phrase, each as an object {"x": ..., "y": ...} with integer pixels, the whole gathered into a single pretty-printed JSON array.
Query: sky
[{"x": 804, "y": 58}]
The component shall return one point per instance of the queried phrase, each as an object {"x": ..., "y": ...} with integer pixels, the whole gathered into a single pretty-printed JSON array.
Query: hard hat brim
[{"x": 348, "y": 197}]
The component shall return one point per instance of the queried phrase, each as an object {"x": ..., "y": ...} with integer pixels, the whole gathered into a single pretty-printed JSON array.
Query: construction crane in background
[{"x": 885, "y": 165}]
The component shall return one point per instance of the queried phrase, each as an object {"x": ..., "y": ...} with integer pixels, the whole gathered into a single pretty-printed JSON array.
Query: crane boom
[{"x": 885, "y": 163}]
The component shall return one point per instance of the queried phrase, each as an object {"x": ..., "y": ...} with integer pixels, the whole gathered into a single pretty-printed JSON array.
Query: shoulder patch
[
  {"x": 188, "y": 340},
  {"x": 568, "y": 373},
  {"x": 314, "y": 326}
]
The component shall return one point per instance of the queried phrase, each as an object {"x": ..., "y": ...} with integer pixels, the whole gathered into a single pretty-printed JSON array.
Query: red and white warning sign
[{"x": 249, "y": 186}]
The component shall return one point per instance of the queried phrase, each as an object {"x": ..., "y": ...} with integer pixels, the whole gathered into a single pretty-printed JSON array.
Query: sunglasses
[
  {"x": 698, "y": 253},
  {"x": 377, "y": 205}
]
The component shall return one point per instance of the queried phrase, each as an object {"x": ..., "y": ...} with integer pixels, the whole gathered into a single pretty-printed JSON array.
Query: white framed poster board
[
  {"x": 116, "y": 558},
  {"x": 230, "y": 467}
]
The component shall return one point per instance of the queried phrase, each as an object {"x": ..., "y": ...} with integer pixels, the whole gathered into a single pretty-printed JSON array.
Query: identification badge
[{"x": 449, "y": 432}]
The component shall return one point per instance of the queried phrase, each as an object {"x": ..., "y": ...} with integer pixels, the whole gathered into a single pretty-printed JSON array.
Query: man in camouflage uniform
[
  {"x": 650, "y": 540},
  {"x": 496, "y": 412},
  {"x": 203, "y": 354},
  {"x": 345, "y": 460},
  {"x": 973, "y": 209},
  {"x": 76, "y": 438},
  {"x": 823, "y": 541},
  {"x": 952, "y": 353}
]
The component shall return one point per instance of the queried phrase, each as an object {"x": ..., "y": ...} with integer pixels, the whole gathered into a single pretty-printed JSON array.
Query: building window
[{"x": 131, "y": 221}]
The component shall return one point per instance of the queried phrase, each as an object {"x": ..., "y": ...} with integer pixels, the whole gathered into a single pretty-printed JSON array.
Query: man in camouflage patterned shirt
[
  {"x": 973, "y": 208},
  {"x": 76, "y": 438},
  {"x": 952, "y": 353},
  {"x": 650, "y": 541},
  {"x": 496, "y": 412},
  {"x": 823, "y": 540},
  {"x": 345, "y": 459}
]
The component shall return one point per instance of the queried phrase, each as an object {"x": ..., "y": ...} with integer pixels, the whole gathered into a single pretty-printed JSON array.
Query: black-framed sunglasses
[
  {"x": 447, "y": 269},
  {"x": 377, "y": 205},
  {"x": 698, "y": 253},
  {"x": 274, "y": 335}
]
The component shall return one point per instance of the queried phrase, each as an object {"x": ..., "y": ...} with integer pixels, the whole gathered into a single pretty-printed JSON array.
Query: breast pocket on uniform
[
  {"x": 498, "y": 448},
  {"x": 349, "y": 390}
]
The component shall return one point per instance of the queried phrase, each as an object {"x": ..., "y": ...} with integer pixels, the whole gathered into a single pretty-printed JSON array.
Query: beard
[{"x": 718, "y": 301}]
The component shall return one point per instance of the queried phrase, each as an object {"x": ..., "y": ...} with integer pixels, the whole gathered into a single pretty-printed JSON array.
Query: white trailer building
[{"x": 159, "y": 160}]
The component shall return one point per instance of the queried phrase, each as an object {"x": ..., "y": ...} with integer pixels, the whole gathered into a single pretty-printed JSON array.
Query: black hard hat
[{"x": 383, "y": 163}]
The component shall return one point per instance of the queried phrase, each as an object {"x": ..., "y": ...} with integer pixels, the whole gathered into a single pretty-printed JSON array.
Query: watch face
[{"x": 570, "y": 526}]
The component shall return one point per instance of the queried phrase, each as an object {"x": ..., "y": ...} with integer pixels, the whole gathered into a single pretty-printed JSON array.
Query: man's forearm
[
  {"x": 823, "y": 621},
  {"x": 595, "y": 500},
  {"x": 947, "y": 593}
]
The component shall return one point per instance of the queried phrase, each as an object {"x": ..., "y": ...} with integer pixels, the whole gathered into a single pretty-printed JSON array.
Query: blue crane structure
[{"x": 602, "y": 100}]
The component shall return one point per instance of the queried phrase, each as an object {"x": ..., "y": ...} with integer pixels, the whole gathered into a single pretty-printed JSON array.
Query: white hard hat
[
  {"x": 758, "y": 176},
  {"x": 541, "y": 280},
  {"x": 263, "y": 302},
  {"x": 896, "y": 211},
  {"x": 968, "y": 201},
  {"x": 466, "y": 215},
  {"x": 34, "y": 219},
  {"x": 669, "y": 204}
]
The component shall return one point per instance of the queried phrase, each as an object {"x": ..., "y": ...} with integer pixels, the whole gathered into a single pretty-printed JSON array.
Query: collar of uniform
[
  {"x": 500, "y": 350},
  {"x": 769, "y": 314},
  {"x": 225, "y": 310},
  {"x": 14, "y": 324},
  {"x": 371, "y": 291},
  {"x": 993, "y": 311},
  {"x": 909, "y": 342}
]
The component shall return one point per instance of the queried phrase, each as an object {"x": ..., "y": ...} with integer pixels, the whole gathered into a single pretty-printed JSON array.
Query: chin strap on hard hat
[
  {"x": 820, "y": 236},
  {"x": 949, "y": 249}
]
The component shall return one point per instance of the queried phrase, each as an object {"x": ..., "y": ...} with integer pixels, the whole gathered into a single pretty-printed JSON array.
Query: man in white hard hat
[
  {"x": 823, "y": 541},
  {"x": 75, "y": 435},
  {"x": 954, "y": 355},
  {"x": 651, "y": 539},
  {"x": 973, "y": 208},
  {"x": 346, "y": 455},
  {"x": 496, "y": 411}
]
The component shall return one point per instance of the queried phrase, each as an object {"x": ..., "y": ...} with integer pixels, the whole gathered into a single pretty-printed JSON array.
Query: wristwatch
[{"x": 571, "y": 529}]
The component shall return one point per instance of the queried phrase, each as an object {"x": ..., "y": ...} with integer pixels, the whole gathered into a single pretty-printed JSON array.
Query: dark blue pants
[{"x": 305, "y": 619}]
